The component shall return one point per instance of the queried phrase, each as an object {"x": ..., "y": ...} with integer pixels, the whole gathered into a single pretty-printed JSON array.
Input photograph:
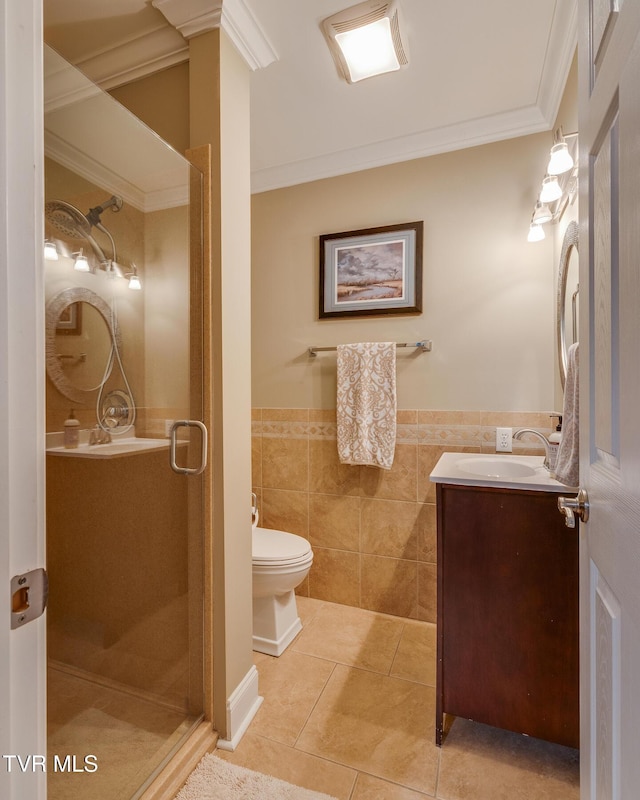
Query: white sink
[
  {"x": 499, "y": 467},
  {"x": 499, "y": 471}
]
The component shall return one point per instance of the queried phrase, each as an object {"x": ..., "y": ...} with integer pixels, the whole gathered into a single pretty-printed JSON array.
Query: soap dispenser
[
  {"x": 554, "y": 443},
  {"x": 71, "y": 431}
]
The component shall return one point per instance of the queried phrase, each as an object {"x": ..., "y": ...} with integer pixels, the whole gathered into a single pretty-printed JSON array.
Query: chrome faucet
[
  {"x": 99, "y": 436},
  {"x": 520, "y": 433}
]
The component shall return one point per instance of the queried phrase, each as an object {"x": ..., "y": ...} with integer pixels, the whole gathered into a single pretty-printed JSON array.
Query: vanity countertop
[
  {"x": 496, "y": 471},
  {"x": 117, "y": 448}
]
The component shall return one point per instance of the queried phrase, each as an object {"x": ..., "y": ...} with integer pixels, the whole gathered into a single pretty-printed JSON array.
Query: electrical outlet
[
  {"x": 167, "y": 427},
  {"x": 503, "y": 440}
]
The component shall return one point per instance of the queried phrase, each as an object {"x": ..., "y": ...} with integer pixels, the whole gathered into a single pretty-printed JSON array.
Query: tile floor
[{"x": 349, "y": 710}]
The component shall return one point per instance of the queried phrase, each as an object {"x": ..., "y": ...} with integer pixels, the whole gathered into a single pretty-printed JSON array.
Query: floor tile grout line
[{"x": 315, "y": 703}]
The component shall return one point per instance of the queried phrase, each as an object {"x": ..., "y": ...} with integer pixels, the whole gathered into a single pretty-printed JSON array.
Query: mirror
[
  {"x": 79, "y": 333},
  {"x": 567, "y": 300}
]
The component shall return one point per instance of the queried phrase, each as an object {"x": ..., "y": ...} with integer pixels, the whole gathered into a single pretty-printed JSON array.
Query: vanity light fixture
[
  {"x": 541, "y": 214},
  {"x": 50, "y": 251},
  {"x": 536, "y": 233},
  {"x": 366, "y": 39},
  {"x": 134, "y": 280},
  {"x": 551, "y": 190},
  {"x": 560, "y": 183},
  {"x": 560, "y": 159},
  {"x": 81, "y": 264}
]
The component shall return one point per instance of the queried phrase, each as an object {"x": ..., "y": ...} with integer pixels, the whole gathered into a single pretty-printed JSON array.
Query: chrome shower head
[
  {"x": 67, "y": 219},
  {"x": 72, "y": 222}
]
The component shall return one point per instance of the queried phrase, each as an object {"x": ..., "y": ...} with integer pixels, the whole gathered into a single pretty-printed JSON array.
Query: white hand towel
[
  {"x": 568, "y": 461},
  {"x": 366, "y": 403}
]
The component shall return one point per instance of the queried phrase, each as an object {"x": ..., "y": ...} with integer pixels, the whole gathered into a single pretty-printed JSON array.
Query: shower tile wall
[{"x": 373, "y": 531}]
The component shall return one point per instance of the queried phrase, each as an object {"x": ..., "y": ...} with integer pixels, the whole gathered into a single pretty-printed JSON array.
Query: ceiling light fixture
[{"x": 366, "y": 39}]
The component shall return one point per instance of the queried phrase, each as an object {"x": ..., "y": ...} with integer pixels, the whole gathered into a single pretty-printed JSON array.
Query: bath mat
[{"x": 215, "y": 779}]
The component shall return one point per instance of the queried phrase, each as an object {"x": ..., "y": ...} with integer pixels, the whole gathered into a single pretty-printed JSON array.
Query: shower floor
[{"x": 126, "y": 735}]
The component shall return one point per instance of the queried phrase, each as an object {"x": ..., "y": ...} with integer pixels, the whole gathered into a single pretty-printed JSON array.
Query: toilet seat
[{"x": 279, "y": 548}]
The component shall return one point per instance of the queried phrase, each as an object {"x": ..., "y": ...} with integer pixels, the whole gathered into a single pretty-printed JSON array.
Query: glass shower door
[{"x": 124, "y": 529}]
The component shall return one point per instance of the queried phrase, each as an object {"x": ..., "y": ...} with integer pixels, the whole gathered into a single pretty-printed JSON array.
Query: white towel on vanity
[
  {"x": 366, "y": 403},
  {"x": 568, "y": 460}
]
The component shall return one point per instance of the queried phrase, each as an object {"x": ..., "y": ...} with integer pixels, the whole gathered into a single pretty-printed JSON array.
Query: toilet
[{"x": 281, "y": 561}]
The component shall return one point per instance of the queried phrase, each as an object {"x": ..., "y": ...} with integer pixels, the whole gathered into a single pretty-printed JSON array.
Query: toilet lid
[{"x": 271, "y": 546}]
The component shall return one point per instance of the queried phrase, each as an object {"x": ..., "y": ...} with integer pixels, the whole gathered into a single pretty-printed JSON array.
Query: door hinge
[{"x": 29, "y": 595}]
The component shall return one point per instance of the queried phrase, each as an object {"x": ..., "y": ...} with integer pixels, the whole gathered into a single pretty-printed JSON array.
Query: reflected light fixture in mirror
[
  {"x": 81, "y": 264},
  {"x": 134, "y": 280},
  {"x": 366, "y": 40},
  {"x": 50, "y": 251}
]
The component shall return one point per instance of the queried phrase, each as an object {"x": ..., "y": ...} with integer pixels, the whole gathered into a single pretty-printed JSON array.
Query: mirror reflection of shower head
[
  {"x": 72, "y": 222},
  {"x": 114, "y": 203}
]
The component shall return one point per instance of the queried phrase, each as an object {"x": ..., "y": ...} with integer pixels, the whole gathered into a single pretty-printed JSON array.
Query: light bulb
[
  {"x": 536, "y": 233},
  {"x": 369, "y": 50},
  {"x": 50, "y": 251},
  {"x": 560, "y": 160},
  {"x": 551, "y": 190},
  {"x": 134, "y": 283}
]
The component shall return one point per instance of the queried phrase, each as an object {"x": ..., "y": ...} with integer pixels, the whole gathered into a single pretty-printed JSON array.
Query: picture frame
[
  {"x": 371, "y": 272},
  {"x": 69, "y": 321}
]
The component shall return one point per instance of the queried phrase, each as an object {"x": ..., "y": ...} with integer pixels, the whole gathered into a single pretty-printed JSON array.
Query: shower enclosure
[{"x": 124, "y": 528}]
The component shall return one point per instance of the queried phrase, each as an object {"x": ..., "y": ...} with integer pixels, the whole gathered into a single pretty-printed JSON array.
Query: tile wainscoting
[{"x": 373, "y": 531}]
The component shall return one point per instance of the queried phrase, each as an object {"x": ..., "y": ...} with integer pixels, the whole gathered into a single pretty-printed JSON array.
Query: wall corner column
[{"x": 219, "y": 117}]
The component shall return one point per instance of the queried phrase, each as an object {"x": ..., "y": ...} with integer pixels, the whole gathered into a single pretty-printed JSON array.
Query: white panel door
[
  {"x": 22, "y": 651},
  {"x": 609, "y": 54}
]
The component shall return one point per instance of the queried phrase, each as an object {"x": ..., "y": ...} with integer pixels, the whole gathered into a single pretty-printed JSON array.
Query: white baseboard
[{"x": 242, "y": 706}]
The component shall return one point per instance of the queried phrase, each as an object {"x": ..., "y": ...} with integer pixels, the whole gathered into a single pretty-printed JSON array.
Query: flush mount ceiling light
[{"x": 366, "y": 40}]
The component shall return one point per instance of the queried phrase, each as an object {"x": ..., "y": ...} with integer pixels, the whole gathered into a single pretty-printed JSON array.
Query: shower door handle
[{"x": 187, "y": 423}]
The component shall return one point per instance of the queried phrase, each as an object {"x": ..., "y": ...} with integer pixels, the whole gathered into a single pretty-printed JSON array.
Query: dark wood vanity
[{"x": 507, "y": 612}]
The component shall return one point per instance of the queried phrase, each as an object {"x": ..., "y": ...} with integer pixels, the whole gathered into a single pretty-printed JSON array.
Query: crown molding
[
  {"x": 471, "y": 133},
  {"x": 135, "y": 58},
  {"x": 561, "y": 49},
  {"x": 82, "y": 164},
  {"x": 193, "y": 17},
  {"x": 166, "y": 45}
]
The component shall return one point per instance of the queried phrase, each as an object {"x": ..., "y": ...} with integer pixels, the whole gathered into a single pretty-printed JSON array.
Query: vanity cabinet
[{"x": 507, "y": 612}]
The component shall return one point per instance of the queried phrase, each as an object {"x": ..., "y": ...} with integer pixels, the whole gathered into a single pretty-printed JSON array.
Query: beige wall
[
  {"x": 487, "y": 292},
  {"x": 153, "y": 96},
  {"x": 489, "y": 308}
]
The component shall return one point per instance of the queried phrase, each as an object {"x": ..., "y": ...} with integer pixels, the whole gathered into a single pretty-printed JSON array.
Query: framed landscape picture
[{"x": 369, "y": 272}]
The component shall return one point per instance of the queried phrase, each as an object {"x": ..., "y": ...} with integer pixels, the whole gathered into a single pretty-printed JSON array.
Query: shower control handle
[{"x": 173, "y": 436}]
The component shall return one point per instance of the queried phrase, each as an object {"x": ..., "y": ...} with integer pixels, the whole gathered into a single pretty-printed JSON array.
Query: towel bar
[{"x": 424, "y": 346}]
